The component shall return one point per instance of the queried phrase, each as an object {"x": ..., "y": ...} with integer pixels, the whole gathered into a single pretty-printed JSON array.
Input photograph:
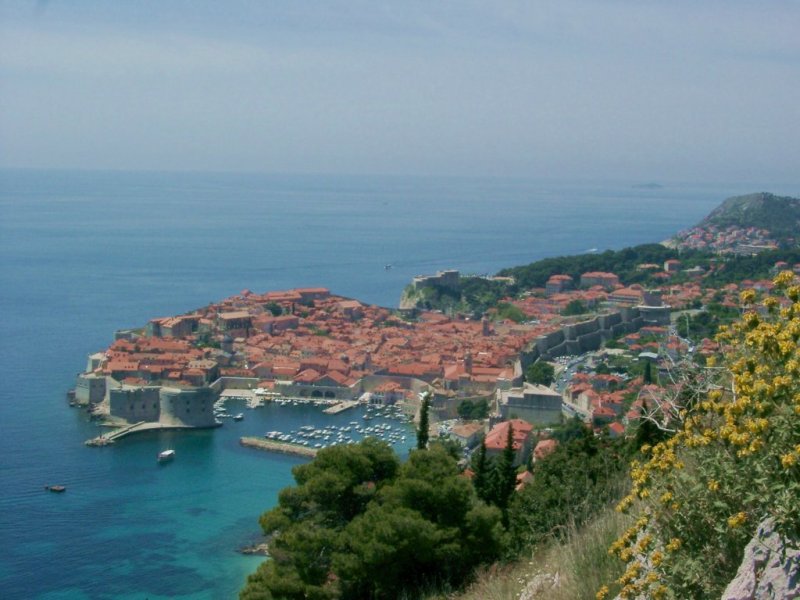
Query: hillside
[{"x": 778, "y": 214}]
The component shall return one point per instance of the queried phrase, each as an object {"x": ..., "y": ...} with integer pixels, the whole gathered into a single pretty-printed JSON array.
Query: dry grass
[{"x": 571, "y": 570}]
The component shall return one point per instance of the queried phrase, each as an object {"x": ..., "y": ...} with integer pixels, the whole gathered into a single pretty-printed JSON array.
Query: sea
[{"x": 85, "y": 253}]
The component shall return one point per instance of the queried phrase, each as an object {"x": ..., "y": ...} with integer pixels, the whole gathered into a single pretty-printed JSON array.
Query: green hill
[{"x": 778, "y": 214}]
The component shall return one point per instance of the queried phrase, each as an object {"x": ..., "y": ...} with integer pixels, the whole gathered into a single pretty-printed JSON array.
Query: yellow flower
[
  {"x": 713, "y": 485},
  {"x": 657, "y": 558},
  {"x": 673, "y": 545},
  {"x": 660, "y": 592},
  {"x": 602, "y": 593},
  {"x": 771, "y": 303},
  {"x": 789, "y": 460},
  {"x": 747, "y": 296},
  {"x": 737, "y": 520},
  {"x": 783, "y": 279}
]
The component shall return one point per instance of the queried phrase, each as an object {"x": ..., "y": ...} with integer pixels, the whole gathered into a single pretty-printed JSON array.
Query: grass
[{"x": 572, "y": 569}]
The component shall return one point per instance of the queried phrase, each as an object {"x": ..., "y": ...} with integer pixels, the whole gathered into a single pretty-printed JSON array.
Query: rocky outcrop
[{"x": 770, "y": 568}]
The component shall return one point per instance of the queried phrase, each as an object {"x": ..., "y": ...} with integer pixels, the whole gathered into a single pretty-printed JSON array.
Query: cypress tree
[
  {"x": 422, "y": 432},
  {"x": 507, "y": 474},
  {"x": 648, "y": 372},
  {"x": 481, "y": 480}
]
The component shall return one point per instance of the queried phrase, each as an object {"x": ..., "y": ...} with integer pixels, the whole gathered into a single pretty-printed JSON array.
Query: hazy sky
[{"x": 639, "y": 90}]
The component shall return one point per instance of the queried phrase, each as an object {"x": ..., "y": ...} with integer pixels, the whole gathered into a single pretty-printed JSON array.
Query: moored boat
[
  {"x": 166, "y": 455},
  {"x": 56, "y": 488}
]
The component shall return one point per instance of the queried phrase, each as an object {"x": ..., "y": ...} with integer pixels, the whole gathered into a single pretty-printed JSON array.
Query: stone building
[{"x": 535, "y": 404}]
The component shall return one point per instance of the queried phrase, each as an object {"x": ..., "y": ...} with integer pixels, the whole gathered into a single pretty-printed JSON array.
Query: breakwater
[{"x": 272, "y": 446}]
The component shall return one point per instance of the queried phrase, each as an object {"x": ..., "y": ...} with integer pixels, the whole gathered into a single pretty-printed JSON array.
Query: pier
[
  {"x": 109, "y": 438},
  {"x": 272, "y": 446},
  {"x": 340, "y": 407}
]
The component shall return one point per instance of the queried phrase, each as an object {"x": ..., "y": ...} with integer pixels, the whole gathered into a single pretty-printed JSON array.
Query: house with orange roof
[
  {"x": 275, "y": 325},
  {"x": 468, "y": 434},
  {"x": 544, "y": 448},
  {"x": 557, "y": 284},
  {"x": 602, "y": 415},
  {"x": 607, "y": 281},
  {"x": 630, "y": 296},
  {"x": 522, "y": 436},
  {"x": 312, "y": 293},
  {"x": 523, "y": 479},
  {"x": 234, "y": 321},
  {"x": 386, "y": 393}
]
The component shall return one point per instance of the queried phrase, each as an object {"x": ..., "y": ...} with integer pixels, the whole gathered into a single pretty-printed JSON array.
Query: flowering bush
[{"x": 734, "y": 461}]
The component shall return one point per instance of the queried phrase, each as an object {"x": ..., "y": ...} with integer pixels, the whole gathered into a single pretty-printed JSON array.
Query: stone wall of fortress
[
  {"x": 172, "y": 407},
  {"x": 90, "y": 388},
  {"x": 585, "y": 336},
  {"x": 187, "y": 407}
]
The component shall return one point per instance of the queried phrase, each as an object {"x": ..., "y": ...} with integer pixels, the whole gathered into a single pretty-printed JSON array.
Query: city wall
[{"x": 578, "y": 338}]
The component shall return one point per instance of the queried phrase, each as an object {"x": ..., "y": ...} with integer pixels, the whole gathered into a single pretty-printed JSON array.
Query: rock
[
  {"x": 540, "y": 585},
  {"x": 770, "y": 568},
  {"x": 260, "y": 548}
]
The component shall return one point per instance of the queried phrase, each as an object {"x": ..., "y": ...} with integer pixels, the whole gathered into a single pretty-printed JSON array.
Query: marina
[{"x": 319, "y": 437}]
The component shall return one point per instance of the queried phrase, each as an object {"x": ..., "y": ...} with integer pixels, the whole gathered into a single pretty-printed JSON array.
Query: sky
[{"x": 638, "y": 90}]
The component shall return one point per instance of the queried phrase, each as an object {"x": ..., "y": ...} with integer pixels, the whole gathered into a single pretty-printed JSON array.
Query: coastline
[{"x": 210, "y": 497}]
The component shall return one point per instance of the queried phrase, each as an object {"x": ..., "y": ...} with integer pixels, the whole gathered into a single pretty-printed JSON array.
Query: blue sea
[{"x": 85, "y": 253}]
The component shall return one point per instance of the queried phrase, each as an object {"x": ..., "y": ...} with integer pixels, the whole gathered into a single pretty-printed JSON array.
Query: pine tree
[{"x": 422, "y": 432}]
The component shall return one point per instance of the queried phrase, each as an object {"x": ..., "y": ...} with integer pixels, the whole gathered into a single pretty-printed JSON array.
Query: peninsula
[{"x": 458, "y": 338}]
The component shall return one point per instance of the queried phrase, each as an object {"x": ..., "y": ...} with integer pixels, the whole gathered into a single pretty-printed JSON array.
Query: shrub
[{"x": 734, "y": 461}]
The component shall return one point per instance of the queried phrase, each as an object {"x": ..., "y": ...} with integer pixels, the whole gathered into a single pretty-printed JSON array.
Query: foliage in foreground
[
  {"x": 571, "y": 485},
  {"x": 360, "y": 525},
  {"x": 735, "y": 460},
  {"x": 571, "y": 568}
]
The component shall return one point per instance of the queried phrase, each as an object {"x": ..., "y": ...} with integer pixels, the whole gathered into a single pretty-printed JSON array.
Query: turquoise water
[{"x": 83, "y": 254}]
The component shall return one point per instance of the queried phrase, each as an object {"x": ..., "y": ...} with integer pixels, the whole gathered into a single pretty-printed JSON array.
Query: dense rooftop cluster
[
  {"x": 307, "y": 335},
  {"x": 723, "y": 240}
]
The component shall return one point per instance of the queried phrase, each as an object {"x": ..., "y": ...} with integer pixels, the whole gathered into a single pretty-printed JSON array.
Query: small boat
[
  {"x": 238, "y": 417},
  {"x": 166, "y": 455},
  {"x": 56, "y": 488}
]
